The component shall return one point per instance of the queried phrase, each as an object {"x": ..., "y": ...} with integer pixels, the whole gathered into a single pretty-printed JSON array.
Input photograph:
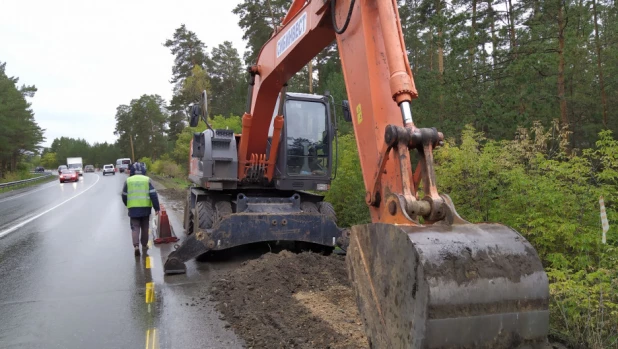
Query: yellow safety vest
[{"x": 138, "y": 191}]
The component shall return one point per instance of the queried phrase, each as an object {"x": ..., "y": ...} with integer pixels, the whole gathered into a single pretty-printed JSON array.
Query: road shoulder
[{"x": 188, "y": 318}]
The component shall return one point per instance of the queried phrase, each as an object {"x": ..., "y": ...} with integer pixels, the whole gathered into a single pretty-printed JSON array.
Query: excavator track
[{"x": 440, "y": 286}]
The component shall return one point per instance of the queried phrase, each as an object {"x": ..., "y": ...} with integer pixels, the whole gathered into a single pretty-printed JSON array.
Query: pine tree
[
  {"x": 227, "y": 80},
  {"x": 19, "y": 132}
]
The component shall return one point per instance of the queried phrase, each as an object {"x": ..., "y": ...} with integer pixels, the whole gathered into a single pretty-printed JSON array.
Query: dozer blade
[
  {"x": 247, "y": 228},
  {"x": 459, "y": 286}
]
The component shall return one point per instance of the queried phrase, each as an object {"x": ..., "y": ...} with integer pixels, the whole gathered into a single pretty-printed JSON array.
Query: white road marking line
[{"x": 19, "y": 225}]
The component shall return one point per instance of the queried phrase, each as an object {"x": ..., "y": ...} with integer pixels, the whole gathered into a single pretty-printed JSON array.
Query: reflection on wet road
[{"x": 69, "y": 279}]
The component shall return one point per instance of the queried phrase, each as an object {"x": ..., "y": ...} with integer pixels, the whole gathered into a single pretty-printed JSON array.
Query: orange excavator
[{"x": 423, "y": 276}]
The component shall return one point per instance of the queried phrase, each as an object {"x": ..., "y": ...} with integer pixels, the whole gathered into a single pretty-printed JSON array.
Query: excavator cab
[{"x": 304, "y": 160}]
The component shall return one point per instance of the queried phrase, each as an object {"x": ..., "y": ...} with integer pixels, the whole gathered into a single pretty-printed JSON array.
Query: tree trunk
[
  {"x": 494, "y": 40},
  {"x": 415, "y": 65},
  {"x": 14, "y": 163},
  {"x": 441, "y": 60},
  {"x": 430, "y": 48},
  {"x": 473, "y": 34},
  {"x": 599, "y": 65},
  {"x": 440, "y": 55},
  {"x": 311, "y": 76},
  {"x": 511, "y": 23},
  {"x": 440, "y": 37},
  {"x": 414, "y": 17},
  {"x": 563, "y": 105}
]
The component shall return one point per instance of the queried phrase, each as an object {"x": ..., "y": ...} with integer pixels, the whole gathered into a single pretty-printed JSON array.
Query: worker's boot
[
  {"x": 145, "y": 249},
  {"x": 136, "y": 251}
]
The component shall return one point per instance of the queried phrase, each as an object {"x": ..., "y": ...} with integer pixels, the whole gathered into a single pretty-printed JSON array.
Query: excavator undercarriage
[
  {"x": 423, "y": 276},
  {"x": 218, "y": 223}
]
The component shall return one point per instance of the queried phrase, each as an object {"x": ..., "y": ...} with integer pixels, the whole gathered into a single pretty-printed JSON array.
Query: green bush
[
  {"x": 584, "y": 306},
  {"x": 181, "y": 151},
  {"x": 157, "y": 167},
  {"x": 148, "y": 162},
  {"x": 171, "y": 169},
  {"x": 534, "y": 185},
  {"x": 232, "y": 122},
  {"x": 165, "y": 167},
  {"x": 347, "y": 193},
  {"x": 16, "y": 176}
]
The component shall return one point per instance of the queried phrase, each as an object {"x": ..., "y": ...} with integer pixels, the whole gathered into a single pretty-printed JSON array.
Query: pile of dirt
[{"x": 289, "y": 300}]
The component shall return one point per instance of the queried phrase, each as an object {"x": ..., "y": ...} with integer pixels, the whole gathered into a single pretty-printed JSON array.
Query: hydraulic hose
[{"x": 333, "y": 3}]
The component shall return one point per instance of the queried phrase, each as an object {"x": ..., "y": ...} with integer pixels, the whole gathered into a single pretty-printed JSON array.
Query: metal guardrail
[{"x": 12, "y": 184}]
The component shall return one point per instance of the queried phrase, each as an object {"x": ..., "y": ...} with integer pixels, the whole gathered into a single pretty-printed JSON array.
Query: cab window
[{"x": 307, "y": 138}]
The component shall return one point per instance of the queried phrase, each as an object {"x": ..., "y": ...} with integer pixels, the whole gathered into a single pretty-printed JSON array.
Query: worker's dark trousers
[{"x": 137, "y": 224}]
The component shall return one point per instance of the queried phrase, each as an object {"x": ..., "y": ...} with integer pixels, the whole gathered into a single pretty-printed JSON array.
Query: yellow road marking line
[
  {"x": 148, "y": 339},
  {"x": 149, "y": 292},
  {"x": 150, "y": 240},
  {"x": 148, "y": 262},
  {"x": 152, "y": 343}
]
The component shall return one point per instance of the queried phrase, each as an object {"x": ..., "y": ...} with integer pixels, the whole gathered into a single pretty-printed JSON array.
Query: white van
[{"x": 123, "y": 164}]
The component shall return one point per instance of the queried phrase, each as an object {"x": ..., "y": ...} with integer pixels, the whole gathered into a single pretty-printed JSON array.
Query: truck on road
[{"x": 76, "y": 164}]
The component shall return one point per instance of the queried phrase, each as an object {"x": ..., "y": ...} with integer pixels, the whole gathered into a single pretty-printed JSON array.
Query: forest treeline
[{"x": 20, "y": 135}]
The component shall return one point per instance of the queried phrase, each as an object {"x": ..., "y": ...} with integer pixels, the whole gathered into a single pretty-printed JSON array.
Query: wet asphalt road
[{"x": 69, "y": 279}]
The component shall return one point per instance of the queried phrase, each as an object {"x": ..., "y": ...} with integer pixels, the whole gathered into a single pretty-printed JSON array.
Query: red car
[{"x": 69, "y": 176}]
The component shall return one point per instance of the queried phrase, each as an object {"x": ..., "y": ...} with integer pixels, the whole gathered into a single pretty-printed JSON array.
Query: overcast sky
[{"x": 88, "y": 57}]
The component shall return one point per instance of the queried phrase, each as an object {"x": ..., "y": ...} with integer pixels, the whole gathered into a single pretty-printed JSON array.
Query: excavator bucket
[{"x": 448, "y": 286}]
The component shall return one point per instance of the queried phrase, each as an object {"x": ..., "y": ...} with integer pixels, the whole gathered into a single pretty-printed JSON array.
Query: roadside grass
[
  {"x": 17, "y": 176},
  {"x": 171, "y": 182},
  {"x": 44, "y": 179}
]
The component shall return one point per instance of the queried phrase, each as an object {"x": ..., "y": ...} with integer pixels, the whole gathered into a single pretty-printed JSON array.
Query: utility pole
[
  {"x": 132, "y": 150},
  {"x": 311, "y": 76}
]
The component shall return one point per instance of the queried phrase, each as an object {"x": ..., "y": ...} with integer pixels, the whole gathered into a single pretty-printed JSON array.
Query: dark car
[
  {"x": 62, "y": 168},
  {"x": 39, "y": 169},
  {"x": 69, "y": 176},
  {"x": 89, "y": 168}
]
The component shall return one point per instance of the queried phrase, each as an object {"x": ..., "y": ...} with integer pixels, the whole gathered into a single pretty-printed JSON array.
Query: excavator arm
[{"x": 424, "y": 277}]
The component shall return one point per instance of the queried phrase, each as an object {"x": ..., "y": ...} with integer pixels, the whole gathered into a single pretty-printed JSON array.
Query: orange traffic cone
[{"x": 164, "y": 233}]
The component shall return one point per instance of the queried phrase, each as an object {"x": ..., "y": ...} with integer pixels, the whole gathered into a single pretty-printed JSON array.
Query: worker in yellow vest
[{"x": 139, "y": 196}]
